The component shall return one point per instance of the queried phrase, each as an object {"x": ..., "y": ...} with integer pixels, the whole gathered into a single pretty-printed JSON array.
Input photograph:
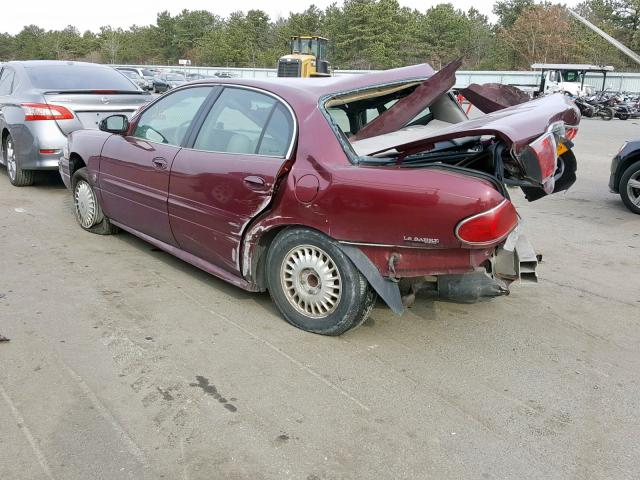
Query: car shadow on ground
[
  {"x": 51, "y": 180},
  {"x": 193, "y": 272},
  {"x": 48, "y": 180},
  {"x": 424, "y": 307},
  {"x": 616, "y": 204}
]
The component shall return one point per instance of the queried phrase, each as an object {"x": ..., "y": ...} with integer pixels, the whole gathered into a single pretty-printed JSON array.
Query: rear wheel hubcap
[
  {"x": 86, "y": 204},
  {"x": 311, "y": 281}
]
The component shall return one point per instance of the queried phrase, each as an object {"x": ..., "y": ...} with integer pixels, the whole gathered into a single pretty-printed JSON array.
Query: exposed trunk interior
[{"x": 440, "y": 135}]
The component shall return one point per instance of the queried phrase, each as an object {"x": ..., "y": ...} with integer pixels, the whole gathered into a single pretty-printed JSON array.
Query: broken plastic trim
[{"x": 386, "y": 288}]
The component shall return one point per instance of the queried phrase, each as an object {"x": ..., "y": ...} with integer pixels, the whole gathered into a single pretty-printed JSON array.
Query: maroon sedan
[{"x": 330, "y": 192}]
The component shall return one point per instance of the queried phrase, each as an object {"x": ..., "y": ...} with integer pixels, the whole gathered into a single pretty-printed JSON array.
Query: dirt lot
[{"x": 125, "y": 363}]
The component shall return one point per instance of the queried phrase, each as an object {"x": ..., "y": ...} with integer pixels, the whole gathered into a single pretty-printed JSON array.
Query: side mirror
[{"x": 114, "y": 124}]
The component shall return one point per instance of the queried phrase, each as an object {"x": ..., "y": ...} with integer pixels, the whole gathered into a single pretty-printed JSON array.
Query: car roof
[
  {"x": 52, "y": 63},
  {"x": 315, "y": 88}
]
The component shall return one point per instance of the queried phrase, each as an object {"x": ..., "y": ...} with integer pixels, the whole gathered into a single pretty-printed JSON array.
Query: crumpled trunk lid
[{"x": 517, "y": 126}]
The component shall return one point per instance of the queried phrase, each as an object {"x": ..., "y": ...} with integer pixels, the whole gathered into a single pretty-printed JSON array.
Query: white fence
[{"x": 617, "y": 81}]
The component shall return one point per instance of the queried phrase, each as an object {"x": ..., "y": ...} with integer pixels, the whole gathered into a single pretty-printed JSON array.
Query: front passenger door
[{"x": 134, "y": 169}]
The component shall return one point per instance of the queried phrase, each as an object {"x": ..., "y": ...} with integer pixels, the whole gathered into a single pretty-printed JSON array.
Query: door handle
[
  {"x": 256, "y": 183},
  {"x": 159, "y": 163}
]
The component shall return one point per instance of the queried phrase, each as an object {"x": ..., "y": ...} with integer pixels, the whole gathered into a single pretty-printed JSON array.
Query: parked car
[
  {"x": 146, "y": 73},
  {"x": 137, "y": 79},
  {"x": 328, "y": 193},
  {"x": 159, "y": 85},
  {"x": 140, "y": 76},
  {"x": 41, "y": 102},
  {"x": 223, "y": 75},
  {"x": 172, "y": 80},
  {"x": 196, "y": 76},
  {"x": 625, "y": 175}
]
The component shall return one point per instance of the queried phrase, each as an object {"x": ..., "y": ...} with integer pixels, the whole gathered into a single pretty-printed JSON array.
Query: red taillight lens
[
  {"x": 546, "y": 150},
  {"x": 571, "y": 132},
  {"x": 540, "y": 161},
  {"x": 43, "y": 111},
  {"x": 488, "y": 227}
]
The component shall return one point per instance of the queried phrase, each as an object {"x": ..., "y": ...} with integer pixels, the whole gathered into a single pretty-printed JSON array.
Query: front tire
[
  {"x": 629, "y": 188},
  {"x": 17, "y": 176},
  {"x": 315, "y": 285},
  {"x": 86, "y": 206},
  {"x": 606, "y": 113}
]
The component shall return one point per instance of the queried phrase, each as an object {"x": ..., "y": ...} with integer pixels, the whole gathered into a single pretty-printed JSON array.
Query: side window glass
[
  {"x": 6, "y": 81},
  {"x": 236, "y": 122},
  {"x": 340, "y": 117},
  {"x": 168, "y": 120},
  {"x": 277, "y": 136}
]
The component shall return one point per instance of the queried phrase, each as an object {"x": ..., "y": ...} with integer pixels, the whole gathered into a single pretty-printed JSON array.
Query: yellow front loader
[{"x": 308, "y": 58}]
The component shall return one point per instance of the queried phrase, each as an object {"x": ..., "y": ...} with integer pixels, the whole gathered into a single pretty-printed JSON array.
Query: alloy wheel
[
  {"x": 633, "y": 188},
  {"x": 311, "y": 281},
  {"x": 12, "y": 167},
  {"x": 86, "y": 204}
]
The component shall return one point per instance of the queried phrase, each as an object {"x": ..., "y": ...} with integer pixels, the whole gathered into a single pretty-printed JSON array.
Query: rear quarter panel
[{"x": 389, "y": 206}]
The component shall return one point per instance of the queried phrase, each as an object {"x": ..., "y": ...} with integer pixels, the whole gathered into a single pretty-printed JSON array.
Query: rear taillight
[
  {"x": 43, "y": 111},
  {"x": 570, "y": 133},
  {"x": 540, "y": 159},
  {"x": 488, "y": 227}
]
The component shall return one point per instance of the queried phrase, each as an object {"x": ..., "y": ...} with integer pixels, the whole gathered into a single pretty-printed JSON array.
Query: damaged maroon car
[{"x": 330, "y": 192}]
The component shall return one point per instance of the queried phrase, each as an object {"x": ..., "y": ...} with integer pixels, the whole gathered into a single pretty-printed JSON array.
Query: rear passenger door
[{"x": 225, "y": 176}]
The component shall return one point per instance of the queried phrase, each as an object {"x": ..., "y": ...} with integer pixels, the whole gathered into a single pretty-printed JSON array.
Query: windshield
[
  {"x": 77, "y": 77},
  {"x": 305, "y": 46},
  {"x": 571, "y": 76},
  {"x": 147, "y": 73},
  {"x": 353, "y": 111},
  {"x": 174, "y": 77},
  {"x": 350, "y": 117}
]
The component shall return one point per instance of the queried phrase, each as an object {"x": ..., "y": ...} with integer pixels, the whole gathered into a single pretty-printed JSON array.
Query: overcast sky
[{"x": 92, "y": 14}]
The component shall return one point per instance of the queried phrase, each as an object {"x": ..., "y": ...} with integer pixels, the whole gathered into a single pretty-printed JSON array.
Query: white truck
[{"x": 567, "y": 78}]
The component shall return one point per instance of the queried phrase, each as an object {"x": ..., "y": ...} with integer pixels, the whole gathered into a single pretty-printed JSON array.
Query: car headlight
[{"x": 65, "y": 151}]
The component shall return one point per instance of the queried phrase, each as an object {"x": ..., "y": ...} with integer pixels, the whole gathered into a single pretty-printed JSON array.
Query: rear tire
[
  {"x": 17, "y": 176},
  {"x": 629, "y": 193},
  {"x": 315, "y": 285},
  {"x": 86, "y": 207}
]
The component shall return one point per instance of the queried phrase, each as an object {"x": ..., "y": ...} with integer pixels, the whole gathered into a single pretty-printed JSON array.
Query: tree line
[{"x": 364, "y": 34}]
